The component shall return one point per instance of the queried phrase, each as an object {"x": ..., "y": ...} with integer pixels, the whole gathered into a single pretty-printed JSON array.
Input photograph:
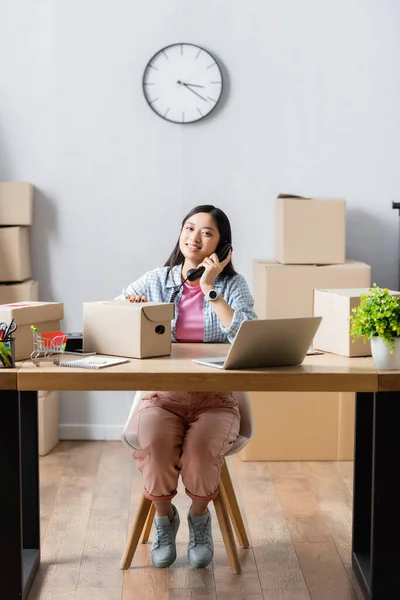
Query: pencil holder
[{"x": 7, "y": 353}]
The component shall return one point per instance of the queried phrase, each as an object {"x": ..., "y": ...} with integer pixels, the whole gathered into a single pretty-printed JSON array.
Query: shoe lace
[
  {"x": 199, "y": 533},
  {"x": 164, "y": 535}
]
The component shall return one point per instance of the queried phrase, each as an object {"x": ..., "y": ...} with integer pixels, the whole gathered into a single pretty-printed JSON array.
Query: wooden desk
[
  {"x": 325, "y": 372},
  {"x": 8, "y": 379},
  {"x": 375, "y": 530}
]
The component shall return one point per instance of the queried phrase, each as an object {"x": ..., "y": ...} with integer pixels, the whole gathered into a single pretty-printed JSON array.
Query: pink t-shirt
[{"x": 190, "y": 321}]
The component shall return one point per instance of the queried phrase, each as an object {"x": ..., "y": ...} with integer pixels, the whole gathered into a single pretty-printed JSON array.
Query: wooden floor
[{"x": 298, "y": 515}]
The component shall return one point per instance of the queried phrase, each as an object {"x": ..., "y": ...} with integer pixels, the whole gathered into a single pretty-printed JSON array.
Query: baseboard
[{"x": 90, "y": 432}]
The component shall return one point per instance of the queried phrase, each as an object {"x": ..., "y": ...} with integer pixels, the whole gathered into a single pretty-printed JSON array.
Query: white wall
[{"x": 311, "y": 106}]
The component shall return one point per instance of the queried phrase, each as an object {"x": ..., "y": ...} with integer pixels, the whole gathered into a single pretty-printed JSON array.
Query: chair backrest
[
  {"x": 129, "y": 434},
  {"x": 246, "y": 417}
]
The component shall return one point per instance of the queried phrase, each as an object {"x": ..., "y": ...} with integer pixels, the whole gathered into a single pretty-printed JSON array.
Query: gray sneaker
[
  {"x": 201, "y": 546},
  {"x": 163, "y": 549}
]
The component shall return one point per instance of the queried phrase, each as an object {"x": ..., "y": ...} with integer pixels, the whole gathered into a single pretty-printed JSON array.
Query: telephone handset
[{"x": 222, "y": 253}]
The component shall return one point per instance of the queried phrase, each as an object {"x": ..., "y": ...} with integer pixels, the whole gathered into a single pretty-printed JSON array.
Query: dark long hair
[{"x": 224, "y": 228}]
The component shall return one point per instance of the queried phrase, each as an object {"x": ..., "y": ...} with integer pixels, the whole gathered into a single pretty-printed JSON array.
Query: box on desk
[
  {"x": 301, "y": 426},
  {"x": 16, "y": 199},
  {"x": 335, "y": 307},
  {"x": 287, "y": 290},
  {"x": 46, "y": 316},
  {"x": 121, "y": 328},
  {"x": 310, "y": 230},
  {"x": 15, "y": 263},
  {"x": 19, "y": 292}
]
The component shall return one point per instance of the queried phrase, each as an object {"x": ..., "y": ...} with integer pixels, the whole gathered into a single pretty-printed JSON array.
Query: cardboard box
[
  {"x": 16, "y": 200},
  {"x": 335, "y": 307},
  {"x": 19, "y": 292},
  {"x": 15, "y": 263},
  {"x": 48, "y": 416},
  {"x": 46, "y": 316},
  {"x": 301, "y": 426},
  {"x": 119, "y": 328},
  {"x": 287, "y": 290},
  {"x": 310, "y": 230}
]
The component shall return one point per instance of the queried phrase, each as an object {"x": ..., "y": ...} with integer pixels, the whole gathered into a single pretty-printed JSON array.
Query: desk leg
[
  {"x": 376, "y": 529},
  {"x": 30, "y": 487},
  {"x": 11, "y": 583},
  {"x": 362, "y": 486},
  {"x": 19, "y": 539}
]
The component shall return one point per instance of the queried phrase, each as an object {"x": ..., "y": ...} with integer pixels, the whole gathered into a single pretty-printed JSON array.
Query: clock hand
[
  {"x": 202, "y": 97},
  {"x": 191, "y": 84},
  {"x": 190, "y": 90}
]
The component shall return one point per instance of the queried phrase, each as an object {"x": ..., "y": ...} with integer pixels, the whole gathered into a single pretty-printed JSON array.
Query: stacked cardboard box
[
  {"x": 16, "y": 201},
  {"x": 48, "y": 410},
  {"x": 310, "y": 254},
  {"x": 16, "y": 286}
]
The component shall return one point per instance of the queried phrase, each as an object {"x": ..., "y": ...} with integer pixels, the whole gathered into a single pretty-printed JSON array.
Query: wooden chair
[{"x": 226, "y": 505}]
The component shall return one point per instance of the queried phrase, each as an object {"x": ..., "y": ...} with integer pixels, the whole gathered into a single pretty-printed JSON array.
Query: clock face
[{"x": 182, "y": 83}]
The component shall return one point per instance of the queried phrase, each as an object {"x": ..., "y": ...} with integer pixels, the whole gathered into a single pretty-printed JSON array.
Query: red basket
[{"x": 53, "y": 338}]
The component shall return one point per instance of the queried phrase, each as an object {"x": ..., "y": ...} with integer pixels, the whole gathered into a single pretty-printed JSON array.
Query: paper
[
  {"x": 313, "y": 351},
  {"x": 93, "y": 362}
]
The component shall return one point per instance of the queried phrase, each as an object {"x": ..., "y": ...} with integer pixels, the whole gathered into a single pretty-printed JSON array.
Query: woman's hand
[
  {"x": 213, "y": 267},
  {"x": 130, "y": 298}
]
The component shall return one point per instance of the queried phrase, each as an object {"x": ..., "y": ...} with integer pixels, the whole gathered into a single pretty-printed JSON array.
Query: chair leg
[
  {"x": 220, "y": 504},
  {"x": 149, "y": 523},
  {"x": 233, "y": 507},
  {"x": 135, "y": 532}
]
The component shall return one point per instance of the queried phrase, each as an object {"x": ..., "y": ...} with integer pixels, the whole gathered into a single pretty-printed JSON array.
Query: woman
[{"x": 188, "y": 433}]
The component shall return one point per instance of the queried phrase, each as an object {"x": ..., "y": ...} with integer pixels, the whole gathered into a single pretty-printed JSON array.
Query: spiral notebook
[{"x": 93, "y": 362}]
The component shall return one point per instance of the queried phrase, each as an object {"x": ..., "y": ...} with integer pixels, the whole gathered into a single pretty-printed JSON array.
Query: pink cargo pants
[{"x": 186, "y": 433}]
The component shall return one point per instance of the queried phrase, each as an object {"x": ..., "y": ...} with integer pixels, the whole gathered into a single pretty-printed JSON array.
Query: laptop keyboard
[{"x": 219, "y": 362}]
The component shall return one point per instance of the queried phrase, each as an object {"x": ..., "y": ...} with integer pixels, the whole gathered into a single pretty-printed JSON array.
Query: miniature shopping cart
[{"x": 47, "y": 345}]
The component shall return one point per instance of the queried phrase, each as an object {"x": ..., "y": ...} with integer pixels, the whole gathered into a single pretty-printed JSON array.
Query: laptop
[{"x": 268, "y": 343}]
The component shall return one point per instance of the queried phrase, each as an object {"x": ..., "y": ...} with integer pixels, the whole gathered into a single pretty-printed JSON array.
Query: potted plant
[{"x": 377, "y": 318}]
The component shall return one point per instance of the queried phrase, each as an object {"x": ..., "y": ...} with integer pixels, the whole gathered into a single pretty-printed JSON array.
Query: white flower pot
[{"x": 382, "y": 357}]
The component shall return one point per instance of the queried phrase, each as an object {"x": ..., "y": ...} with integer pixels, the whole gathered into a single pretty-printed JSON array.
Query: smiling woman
[
  {"x": 188, "y": 433},
  {"x": 182, "y": 83}
]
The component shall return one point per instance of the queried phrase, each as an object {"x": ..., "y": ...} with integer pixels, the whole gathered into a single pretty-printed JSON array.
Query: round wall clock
[{"x": 182, "y": 83}]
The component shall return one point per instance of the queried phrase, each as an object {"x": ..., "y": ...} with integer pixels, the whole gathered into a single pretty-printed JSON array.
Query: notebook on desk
[
  {"x": 268, "y": 343},
  {"x": 93, "y": 362}
]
